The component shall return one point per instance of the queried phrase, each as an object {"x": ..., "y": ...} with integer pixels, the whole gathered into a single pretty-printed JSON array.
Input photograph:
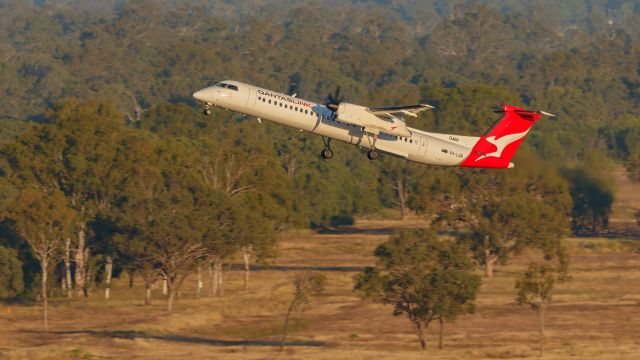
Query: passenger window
[
  {"x": 306, "y": 111},
  {"x": 285, "y": 106},
  {"x": 269, "y": 101},
  {"x": 280, "y": 104},
  {"x": 411, "y": 141}
]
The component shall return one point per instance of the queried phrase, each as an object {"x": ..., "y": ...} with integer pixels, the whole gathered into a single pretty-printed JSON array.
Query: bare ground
[{"x": 595, "y": 316}]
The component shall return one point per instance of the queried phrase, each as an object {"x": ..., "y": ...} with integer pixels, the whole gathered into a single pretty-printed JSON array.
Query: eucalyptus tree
[
  {"x": 43, "y": 218},
  {"x": 75, "y": 153},
  {"x": 535, "y": 288},
  {"x": 179, "y": 221},
  {"x": 423, "y": 278},
  {"x": 498, "y": 214},
  {"x": 305, "y": 285}
]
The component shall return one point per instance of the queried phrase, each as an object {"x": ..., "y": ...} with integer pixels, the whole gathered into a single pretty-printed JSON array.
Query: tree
[
  {"x": 423, "y": 278},
  {"x": 535, "y": 287},
  {"x": 235, "y": 173},
  {"x": 76, "y": 153},
  {"x": 256, "y": 240},
  {"x": 498, "y": 214},
  {"x": 305, "y": 285},
  {"x": 508, "y": 225},
  {"x": 180, "y": 222},
  {"x": 11, "y": 282},
  {"x": 401, "y": 174},
  {"x": 633, "y": 167},
  {"x": 43, "y": 219}
]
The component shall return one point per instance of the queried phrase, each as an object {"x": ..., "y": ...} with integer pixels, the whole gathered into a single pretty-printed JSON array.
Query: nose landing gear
[{"x": 207, "y": 109}]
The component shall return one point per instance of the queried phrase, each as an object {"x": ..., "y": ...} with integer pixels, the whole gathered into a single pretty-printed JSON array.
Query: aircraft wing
[{"x": 395, "y": 111}]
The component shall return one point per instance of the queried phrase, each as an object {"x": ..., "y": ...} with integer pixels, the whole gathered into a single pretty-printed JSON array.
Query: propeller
[
  {"x": 334, "y": 99},
  {"x": 293, "y": 89}
]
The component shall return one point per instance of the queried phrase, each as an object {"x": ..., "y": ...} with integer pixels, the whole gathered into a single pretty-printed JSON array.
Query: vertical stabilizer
[{"x": 496, "y": 148}]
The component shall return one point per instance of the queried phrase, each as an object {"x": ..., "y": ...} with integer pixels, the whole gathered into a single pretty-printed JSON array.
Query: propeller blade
[
  {"x": 293, "y": 89},
  {"x": 334, "y": 99}
]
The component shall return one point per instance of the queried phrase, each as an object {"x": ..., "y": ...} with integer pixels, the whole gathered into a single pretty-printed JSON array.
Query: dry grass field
[
  {"x": 627, "y": 201},
  {"x": 596, "y": 316}
]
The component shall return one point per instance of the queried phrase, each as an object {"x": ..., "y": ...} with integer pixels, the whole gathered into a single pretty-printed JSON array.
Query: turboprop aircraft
[{"x": 376, "y": 128}]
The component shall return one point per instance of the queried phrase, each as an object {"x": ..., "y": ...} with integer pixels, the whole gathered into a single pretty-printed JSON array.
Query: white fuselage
[{"x": 420, "y": 146}]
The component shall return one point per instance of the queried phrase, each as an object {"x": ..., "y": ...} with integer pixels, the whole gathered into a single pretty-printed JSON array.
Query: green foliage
[
  {"x": 633, "y": 167},
  {"x": 305, "y": 285},
  {"x": 535, "y": 288},
  {"x": 422, "y": 277},
  {"x": 497, "y": 214},
  {"x": 11, "y": 282},
  {"x": 466, "y": 57},
  {"x": 43, "y": 219}
]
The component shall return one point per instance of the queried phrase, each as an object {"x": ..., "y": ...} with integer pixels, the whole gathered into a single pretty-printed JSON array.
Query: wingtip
[{"x": 546, "y": 114}]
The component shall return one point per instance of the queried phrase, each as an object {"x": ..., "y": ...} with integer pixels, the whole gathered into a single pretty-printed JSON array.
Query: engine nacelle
[{"x": 359, "y": 116}]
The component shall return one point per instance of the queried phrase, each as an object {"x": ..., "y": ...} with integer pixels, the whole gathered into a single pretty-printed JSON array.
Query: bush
[
  {"x": 342, "y": 219},
  {"x": 11, "y": 279}
]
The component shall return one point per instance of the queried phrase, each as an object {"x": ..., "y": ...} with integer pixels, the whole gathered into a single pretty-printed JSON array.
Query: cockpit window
[{"x": 227, "y": 86}]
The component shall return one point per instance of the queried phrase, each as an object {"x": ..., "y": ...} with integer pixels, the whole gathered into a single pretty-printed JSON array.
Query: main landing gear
[
  {"x": 373, "y": 154},
  {"x": 207, "y": 109},
  {"x": 326, "y": 153}
]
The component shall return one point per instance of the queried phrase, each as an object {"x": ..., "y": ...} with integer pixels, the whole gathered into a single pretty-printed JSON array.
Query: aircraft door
[
  {"x": 423, "y": 146},
  {"x": 251, "y": 101}
]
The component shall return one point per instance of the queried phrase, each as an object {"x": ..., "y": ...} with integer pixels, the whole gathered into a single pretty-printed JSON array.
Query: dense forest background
[
  {"x": 142, "y": 60},
  {"x": 576, "y": 59}
]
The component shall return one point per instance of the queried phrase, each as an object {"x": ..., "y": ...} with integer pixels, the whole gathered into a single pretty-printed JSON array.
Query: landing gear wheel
[
  {"x": 372, "y": 154},
  {"x": 326, "y": 154},
  {"x": 207, "y": 111}
]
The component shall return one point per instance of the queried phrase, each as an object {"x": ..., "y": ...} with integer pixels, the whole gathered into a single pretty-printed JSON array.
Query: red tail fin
[{"x": 495, "y": 149}]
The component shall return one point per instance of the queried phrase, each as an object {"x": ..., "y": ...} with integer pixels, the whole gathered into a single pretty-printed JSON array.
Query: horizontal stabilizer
[{"x": 524, "y": 112}]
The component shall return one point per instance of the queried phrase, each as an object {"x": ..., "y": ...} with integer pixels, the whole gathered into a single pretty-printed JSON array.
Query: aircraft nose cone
[{"x": 200, "y": 94}]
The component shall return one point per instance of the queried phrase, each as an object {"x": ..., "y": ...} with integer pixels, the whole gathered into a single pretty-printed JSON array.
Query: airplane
[{"x": 376, "y": 128}]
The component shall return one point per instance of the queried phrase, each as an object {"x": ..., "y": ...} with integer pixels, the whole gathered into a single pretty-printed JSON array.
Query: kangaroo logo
[{"x": 502, "y": 143}]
